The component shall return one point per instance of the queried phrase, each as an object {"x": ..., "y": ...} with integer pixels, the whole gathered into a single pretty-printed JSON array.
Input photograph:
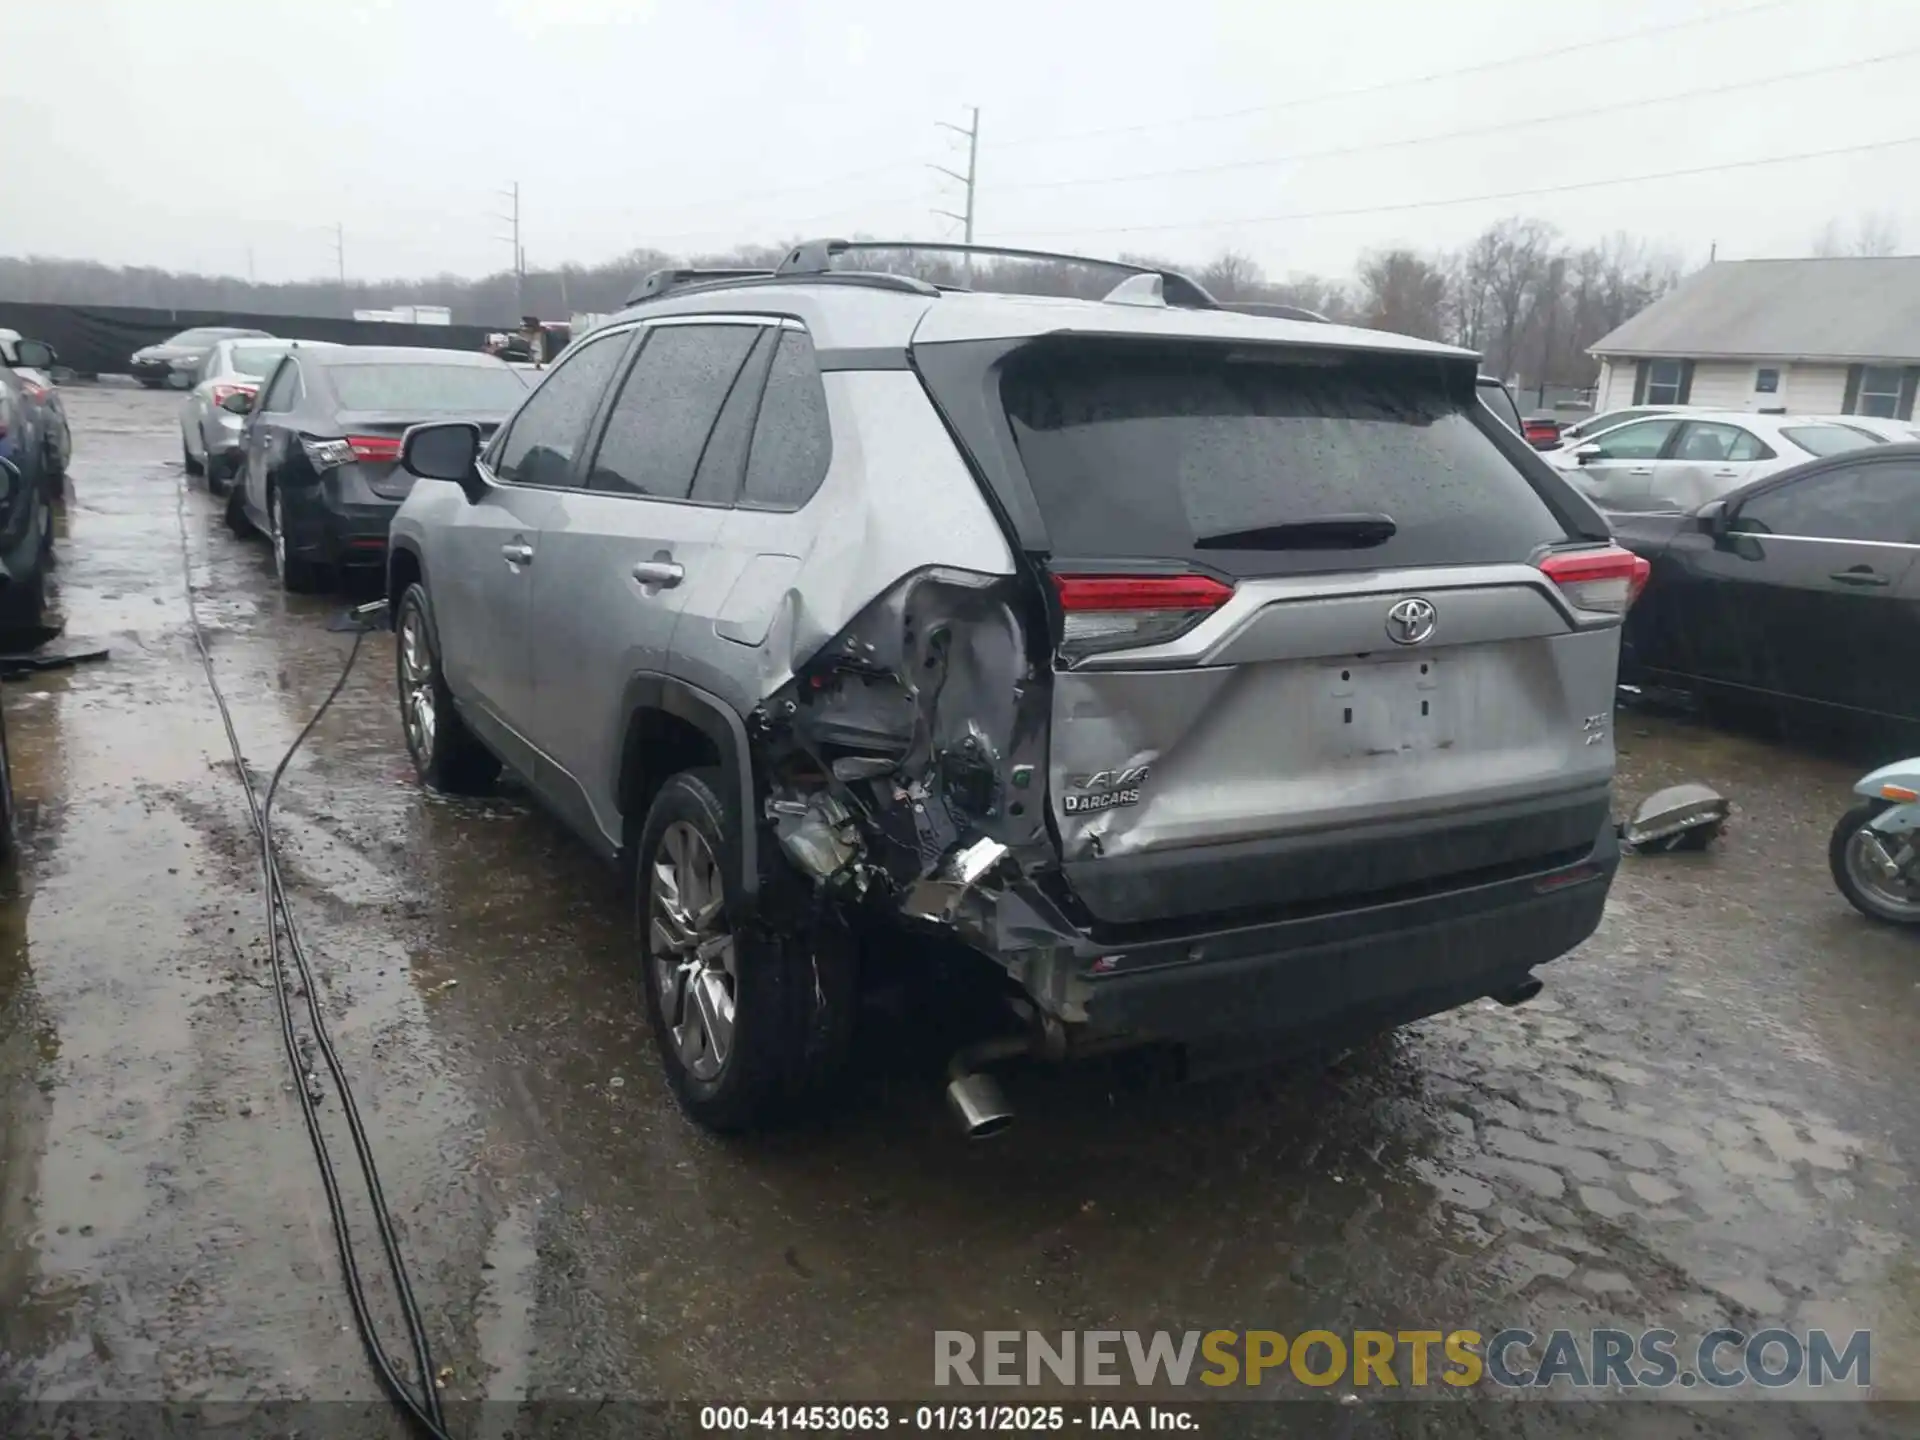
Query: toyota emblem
[{"x": 1411, "y": 621}]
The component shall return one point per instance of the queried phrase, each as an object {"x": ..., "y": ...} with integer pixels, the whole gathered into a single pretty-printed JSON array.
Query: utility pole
[
  {"x": 519, "y": 255},
  {"x": 972, "y": 134},
  {"x": 340, "y": 253},
  {"x": 250, "y": 265}
]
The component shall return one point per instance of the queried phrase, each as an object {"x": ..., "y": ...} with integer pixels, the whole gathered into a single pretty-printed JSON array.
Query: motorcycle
[{"x": 1875, "y": 849}]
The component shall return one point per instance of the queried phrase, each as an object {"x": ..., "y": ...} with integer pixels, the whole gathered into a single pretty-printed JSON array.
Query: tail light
[
  {"x": 374, "y": 447},
  {"x": 223, "y": 393},
  {"x": 1606, "y": 580},
  {"x": 1124, "y": 612},
  {"x": 36, "y": 393}
]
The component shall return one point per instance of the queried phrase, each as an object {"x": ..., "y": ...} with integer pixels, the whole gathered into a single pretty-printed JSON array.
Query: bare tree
[
  {"x": 1233, "y": 276},
  {"x": 1875, "y": 233},
  {"x": 1400, "y": 290}
]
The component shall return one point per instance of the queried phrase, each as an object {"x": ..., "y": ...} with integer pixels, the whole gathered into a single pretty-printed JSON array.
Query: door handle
[
  {"x": 663, "y": 573},
  {"x": 1641, "y": 470},
  {"x": 1862, "y": 576},
  {"x": 518, "y": 554}
]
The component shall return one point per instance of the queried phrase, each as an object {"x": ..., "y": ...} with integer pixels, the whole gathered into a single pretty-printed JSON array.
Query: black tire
[
  {"x": 194, "y": 467},
  {"x": 774, "y": 1060},
  {"x": 9, "y": 843},
  {"x": 1849, "y": 825},
  {"x": 297, "y": 576},
  {"x": 216, "y": 469},
  {"x": 451, "y": 758},
  {"x": 237, "y": 519}
]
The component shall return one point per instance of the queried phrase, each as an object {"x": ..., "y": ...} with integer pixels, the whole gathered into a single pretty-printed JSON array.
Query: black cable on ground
[{"x": 424, "y": 1410}]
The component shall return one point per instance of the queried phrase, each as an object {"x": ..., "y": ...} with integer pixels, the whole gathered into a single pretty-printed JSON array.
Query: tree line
[{"x": 1519, "y": 293}]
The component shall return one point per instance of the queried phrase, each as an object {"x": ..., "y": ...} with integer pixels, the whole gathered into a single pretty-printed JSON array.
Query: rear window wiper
[{"x": 1329, "y": 532}]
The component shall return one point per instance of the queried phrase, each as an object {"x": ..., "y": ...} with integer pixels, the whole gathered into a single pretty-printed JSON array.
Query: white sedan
[{"x": 1682, "y": 460}]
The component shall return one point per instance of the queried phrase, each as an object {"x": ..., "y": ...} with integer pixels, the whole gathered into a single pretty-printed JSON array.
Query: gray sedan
[{"x": 210, "y": 433}]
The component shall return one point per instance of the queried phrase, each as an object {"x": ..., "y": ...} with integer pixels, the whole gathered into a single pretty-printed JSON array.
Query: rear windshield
[
  {"x": 1137, "y": 452},
  {"x": 1829, "y": 439},
  {"x": 427, "y": 388},
  {"x": 256, "y": 360}
]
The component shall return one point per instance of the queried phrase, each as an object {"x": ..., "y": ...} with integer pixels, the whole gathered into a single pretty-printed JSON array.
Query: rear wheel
[
  {"x": 194, "y": 467},
  {"x": 237, "y": 520},
  {"x": 732, "y": 1003},
  {"x": 1892, "y": 899},
  {"x": 446, "y": 755},
  {"x": 8, "y": 843},
  {"x": 297, "y": 576}
]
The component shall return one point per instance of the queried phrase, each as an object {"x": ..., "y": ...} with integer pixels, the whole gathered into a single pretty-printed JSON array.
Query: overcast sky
[{"x": 221, "y": 134}]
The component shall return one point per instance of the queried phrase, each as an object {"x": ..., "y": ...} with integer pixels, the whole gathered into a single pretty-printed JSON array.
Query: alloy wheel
[
  {"x": 692, "y": 953},
  {"x": 279, "y": 534},
  {"x": 1896, "y": 897},
  {"x": 416, "y": 685}
]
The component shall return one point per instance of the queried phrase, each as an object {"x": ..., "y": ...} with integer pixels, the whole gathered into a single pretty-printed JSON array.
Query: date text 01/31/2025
[{"x": 847, "y": 1419}]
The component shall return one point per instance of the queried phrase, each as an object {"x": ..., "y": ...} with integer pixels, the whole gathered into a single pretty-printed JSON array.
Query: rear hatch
[
  {"x": 1305, "y": 647},
  {"x": 375, "y": 438}
]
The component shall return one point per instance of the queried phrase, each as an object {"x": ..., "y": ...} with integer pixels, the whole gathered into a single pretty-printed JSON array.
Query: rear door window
[
  {"x": 1496, "y": 399},
  {"x": 1201, "y": 453},
  {"x": 658, "y": 427}
]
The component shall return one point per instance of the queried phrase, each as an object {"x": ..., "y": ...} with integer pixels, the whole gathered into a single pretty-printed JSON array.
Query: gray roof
[{"x": 1851, "y": 308}]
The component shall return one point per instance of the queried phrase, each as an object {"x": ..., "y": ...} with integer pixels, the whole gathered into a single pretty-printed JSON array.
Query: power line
[
  {"x": 1295, "y": 102},
  {"x": 1469, "y": 132},
  {"x": 1380, "y": 87},
  {"x": 1479, "y": 199}
]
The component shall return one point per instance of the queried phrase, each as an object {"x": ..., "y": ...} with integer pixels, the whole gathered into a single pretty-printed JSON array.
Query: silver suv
[{"x": 1215, "y": 676}]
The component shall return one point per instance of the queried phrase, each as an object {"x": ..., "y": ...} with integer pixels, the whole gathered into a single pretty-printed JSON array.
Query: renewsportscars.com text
[{"x": 1604, "y": 1359}]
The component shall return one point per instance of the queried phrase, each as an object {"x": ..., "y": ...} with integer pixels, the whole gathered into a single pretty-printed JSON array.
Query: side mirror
[
  {"x": 35, "y": 355},
  {"x": 446, "y": 451},
  {"x": 1714, "y": 519},
  {"x": 1589, "y": 451},
  {"x": 239, "y": 403}
]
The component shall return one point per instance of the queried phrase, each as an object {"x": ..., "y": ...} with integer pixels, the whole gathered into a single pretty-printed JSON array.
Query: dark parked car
[
  {"x": 33, "y": 362},
  {"x": 26, "y": 521},
  {"x": 1800, "y": 590},
  {"x": 319, "y": 466},
  {"x": 173, "y": 361}
]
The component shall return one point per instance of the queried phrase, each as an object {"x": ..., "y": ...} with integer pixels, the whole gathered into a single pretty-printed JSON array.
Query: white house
[{"x": 1812, "y": 337}]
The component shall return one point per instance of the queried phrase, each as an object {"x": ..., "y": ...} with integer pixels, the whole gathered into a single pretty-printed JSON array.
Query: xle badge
[{"x": 1105, "y": 789}]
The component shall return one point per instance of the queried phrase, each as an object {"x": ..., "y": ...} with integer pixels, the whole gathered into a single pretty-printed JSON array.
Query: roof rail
[
  {"x": 1274, "y": 310},
  {"x": 660, "y": 282},
  {"x": 816, "y": 257}
]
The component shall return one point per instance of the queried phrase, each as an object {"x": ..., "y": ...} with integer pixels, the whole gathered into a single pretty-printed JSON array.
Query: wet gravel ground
[{"x": 1708, "y": 1118}]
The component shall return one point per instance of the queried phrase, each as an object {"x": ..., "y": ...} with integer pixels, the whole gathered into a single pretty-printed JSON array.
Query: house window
[
  {"x": 1766, "y": 382},
  {"x": 1879, "y": 391},
  {"x": 1666, "y": 379}
]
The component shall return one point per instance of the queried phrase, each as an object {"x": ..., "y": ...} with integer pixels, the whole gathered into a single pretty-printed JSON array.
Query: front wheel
[
  {"x": 1854, "y": 855},
  {"x": 446, "y": 755}
]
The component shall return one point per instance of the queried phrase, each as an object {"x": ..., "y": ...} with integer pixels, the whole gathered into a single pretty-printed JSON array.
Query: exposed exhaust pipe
[
  {"x": 977, "y": 1100},
  {"x": 1521, "y": 993}
]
